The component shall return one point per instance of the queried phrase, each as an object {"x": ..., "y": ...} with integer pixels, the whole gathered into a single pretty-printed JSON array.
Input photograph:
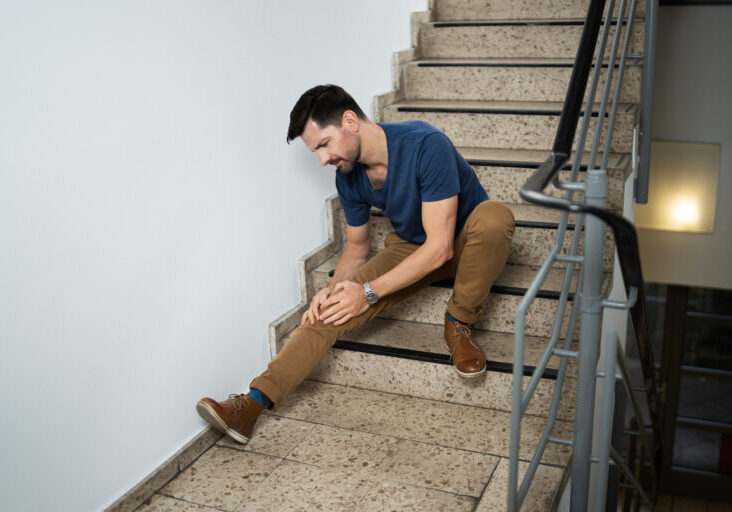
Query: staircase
[{"x": 384, "y": 422}]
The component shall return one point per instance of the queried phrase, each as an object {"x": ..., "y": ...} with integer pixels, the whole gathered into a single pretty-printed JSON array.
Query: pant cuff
[{"x": 467, "y": 316}]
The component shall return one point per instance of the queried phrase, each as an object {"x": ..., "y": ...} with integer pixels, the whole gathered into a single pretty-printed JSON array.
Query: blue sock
[
  {"x": 261, "y": 398},
  {"x": 453, "y": 319}
]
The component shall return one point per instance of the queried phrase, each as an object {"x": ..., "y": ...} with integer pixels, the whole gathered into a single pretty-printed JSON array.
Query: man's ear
[{"x": 350, "y": 120}]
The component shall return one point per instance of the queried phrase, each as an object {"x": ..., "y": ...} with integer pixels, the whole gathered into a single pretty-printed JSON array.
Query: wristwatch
[{"x": 371, "y": 296}]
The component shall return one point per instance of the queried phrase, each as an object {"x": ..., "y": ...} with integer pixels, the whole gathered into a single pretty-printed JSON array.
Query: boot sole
[
  {"x": 470, "y": 375},
  {"x": 206, "y": 412}
]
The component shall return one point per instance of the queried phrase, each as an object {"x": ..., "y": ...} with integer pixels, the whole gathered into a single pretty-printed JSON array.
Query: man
[{"x": 444, "y": 226}]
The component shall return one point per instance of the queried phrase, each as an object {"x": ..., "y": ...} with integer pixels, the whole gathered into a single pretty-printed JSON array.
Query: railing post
[
  {"x": 649, "y": 69},
  {"x": 591, "y": 310}
]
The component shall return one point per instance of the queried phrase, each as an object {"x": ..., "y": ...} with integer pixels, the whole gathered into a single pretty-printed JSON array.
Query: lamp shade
[{"x": 682, "y": 192}]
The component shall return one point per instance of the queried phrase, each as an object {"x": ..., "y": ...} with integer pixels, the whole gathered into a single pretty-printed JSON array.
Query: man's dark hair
[{"x": 324, "y": 104}]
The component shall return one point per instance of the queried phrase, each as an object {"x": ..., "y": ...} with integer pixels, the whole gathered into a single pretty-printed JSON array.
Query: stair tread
[
  {"x": 539, "y": 107},
  {"x": 480, "y": 429},
  {"x": 531, "y": 156},
  {"x": 516, "y": 276},
  {"x": 521, "y": 21},
  {"x": 403, "y": 334},
  {"x": 507, "y": 61}
]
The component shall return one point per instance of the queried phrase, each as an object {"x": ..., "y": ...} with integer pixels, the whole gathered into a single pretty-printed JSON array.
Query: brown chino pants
[{"x": 480, "y": 253}]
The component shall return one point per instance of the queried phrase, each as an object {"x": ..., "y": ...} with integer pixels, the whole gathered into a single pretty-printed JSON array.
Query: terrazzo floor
[{"x": 338, "y": 448}]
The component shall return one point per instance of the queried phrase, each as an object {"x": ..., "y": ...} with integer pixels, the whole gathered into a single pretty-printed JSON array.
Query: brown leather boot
[
  {"x": 234, "y": 417},
  {"x": 466, "y": 354}
]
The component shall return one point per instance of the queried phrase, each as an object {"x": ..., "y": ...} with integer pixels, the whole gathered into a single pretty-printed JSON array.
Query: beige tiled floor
[{"x": 338, "y": 448}]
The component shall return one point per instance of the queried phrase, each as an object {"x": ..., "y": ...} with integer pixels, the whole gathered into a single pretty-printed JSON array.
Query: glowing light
[{"x": 685, "y": 212}]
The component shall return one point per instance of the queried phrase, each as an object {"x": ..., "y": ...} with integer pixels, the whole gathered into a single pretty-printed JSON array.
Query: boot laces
[
  {"x": 462, "y": 332},
  {"x": 238, "y": 401}
]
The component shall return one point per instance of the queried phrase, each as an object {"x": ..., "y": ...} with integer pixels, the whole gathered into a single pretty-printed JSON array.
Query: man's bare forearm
[
  {"x": 414, "y": 267},
  {"x": 349, "y": 262}
]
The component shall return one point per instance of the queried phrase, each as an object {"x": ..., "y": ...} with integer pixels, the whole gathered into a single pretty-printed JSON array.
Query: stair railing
[{"x": 591, "y": 216}]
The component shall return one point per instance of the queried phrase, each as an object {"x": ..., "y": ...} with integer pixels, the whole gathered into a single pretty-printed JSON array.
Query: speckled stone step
[
  {"x": 533, "y": 239},
  {"x": 504, "y": 80},
  {"x": 502, "y": 172},
  {"x": 428, "y": 305},
  {"x": 411, "y": 358},
  {"x": 510, "y": 38},
  {"x": 505, "y": 124},
  {"x": 516, "y": 9}
]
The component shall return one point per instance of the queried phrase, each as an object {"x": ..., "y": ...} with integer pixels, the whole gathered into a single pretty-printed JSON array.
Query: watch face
[{"x": 371, "y": 297}]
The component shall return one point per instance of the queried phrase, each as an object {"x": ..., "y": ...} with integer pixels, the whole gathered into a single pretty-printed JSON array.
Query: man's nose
[{"x": 323, "y": 157}]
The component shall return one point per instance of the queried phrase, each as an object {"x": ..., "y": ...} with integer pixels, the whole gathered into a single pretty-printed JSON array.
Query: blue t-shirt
[{"x": 423, "y": 166}]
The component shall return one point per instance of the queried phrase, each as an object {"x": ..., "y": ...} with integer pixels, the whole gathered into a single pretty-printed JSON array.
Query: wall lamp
[{"x": 682, "y": 192}]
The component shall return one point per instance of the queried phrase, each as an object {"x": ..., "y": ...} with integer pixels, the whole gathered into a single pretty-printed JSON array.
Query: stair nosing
[{"x": 572, "y": 22}]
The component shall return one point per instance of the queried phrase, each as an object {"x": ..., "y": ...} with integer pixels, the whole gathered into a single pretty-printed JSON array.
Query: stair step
[
  {"x": 530, "y": 158},
  {"x": 502, "y": 172},
  {"x": 428, "y": 304},
  {"x": 411, "y": 358},
  {"x": 504, "y": 124},
  {"x": 533, "y": 238},
  {"x": 512, "y": 9},
  {"x": 503, "y": 80},
  {"x": 462, "y": 427},
  {"x": 543, "y": 38}
]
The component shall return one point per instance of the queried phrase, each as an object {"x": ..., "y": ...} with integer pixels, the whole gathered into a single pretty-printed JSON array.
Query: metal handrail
[
  {"x": 626, "y": 238},
  {"x": 626, "y": 244}
]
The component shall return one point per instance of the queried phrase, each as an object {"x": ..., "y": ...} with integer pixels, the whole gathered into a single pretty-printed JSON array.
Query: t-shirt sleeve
[
  {"x": 357, "y": 212},
  {"x": 438, "y": 172}
]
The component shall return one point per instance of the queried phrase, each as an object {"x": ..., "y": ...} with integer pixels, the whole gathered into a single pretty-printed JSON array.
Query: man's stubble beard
[{"x": 349, "y": 162}]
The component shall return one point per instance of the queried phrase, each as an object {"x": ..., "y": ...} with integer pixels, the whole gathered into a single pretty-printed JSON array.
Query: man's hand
[
  {"x": 313, "y": 313},
  {"x": 347, "y": 301}
]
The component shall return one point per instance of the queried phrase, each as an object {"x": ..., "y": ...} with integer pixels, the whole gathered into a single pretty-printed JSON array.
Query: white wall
[
  {"x": 151, "y": 217},
  {"x": 692, "y": 103}
]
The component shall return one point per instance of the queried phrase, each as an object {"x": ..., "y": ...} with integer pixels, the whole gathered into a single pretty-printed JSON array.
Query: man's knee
[{"x": 492, "y": 220}]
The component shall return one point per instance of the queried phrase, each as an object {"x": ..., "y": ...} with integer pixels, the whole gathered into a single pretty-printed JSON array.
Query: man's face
[{"x": 335, "y": 145}]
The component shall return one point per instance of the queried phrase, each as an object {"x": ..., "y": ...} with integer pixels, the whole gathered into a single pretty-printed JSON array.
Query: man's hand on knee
[
  {"x": 313, "y": 312},
  {"x": 346, "y": 302}
]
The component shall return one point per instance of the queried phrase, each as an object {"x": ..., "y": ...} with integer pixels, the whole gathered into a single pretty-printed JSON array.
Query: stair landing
[{"x": 332, "y": 447}]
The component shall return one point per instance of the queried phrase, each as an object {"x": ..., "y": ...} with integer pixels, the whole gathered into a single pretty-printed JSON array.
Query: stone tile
[
  {"x": 221, "y": 477},
  {"x": 533, "y": 156},
  {"x": 435, "y": 381},
  {"x": 525, "y": 40},
  {"x": 474, "y": 80},
  {"x": 296, "y": 487},
  {"x": 448, "y": 424},
  {"x": 516, "y": 130},
  {"x": 273, "y": 435},
  {"x": 438, "y": 467},
  {"x": 358, "y": 452},
  {"x": 516, "y": 9},
  {"x": 160, "y": 503},
  {"x": 541, "y": 492},
  {"x": 399, "y": 497},
  {"x": 504, "y": 183}
]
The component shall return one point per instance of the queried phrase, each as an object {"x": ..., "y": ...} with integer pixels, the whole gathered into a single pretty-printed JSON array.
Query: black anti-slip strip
[
  {"x": 521, "y": 165},
  {"x": 458, "y": 110},
  {"x": 515, "y": 23},
  {"x": 432, "y": 357},
  {"x": 496, "y": 65}
]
